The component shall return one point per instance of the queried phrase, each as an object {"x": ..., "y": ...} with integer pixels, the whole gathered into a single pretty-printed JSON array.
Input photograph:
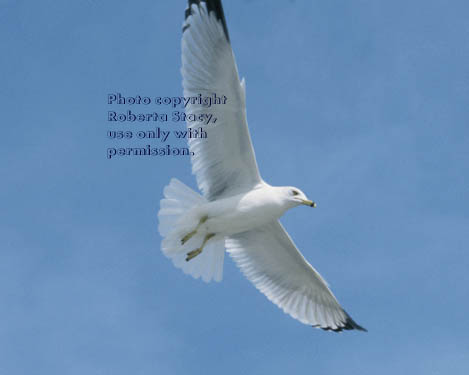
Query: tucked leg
[
  {"x": 192, "y": 254},
  {"x": 189, "y": 235}
]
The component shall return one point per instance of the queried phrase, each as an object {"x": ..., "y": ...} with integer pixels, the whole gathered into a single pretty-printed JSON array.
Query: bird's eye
[{"x": 294, "y": 192}]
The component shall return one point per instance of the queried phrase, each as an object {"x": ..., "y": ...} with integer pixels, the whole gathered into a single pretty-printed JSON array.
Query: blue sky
[{"x": 362, "y": 105}]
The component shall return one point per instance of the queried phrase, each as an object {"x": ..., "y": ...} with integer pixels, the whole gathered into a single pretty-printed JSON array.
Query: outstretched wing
[
  {"x": 224, "y": 162},
  {"x": 270, "y": 260}
]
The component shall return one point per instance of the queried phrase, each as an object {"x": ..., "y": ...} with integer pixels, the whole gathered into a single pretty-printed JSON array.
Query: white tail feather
[{"x": 175, "y": 222}]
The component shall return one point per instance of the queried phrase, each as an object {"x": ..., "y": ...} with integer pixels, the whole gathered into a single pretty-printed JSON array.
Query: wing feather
[
  {"x": 270, "y": 260},
  {"x": 224, "y": 163}
]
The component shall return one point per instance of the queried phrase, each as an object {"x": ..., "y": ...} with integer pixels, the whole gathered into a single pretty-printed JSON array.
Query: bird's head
[{"x": 295, "y": 197}]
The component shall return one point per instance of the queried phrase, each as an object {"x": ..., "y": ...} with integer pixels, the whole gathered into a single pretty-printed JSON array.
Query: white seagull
[{"x": 238, "y": 211}]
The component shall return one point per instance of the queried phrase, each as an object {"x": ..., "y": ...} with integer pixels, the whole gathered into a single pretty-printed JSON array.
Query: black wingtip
[
  {"x": 351, "y": 324},
  {"x": 212, "y": 6},
  {"x": 348, "y": 325}
]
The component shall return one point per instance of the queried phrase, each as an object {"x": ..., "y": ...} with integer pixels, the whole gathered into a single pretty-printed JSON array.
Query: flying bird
[{"x": 238, "y": 211}]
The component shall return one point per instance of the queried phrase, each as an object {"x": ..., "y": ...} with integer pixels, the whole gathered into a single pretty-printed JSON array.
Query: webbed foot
[
  {"x": 187, "y": 237},
  {"x": 192, "y": 254}
]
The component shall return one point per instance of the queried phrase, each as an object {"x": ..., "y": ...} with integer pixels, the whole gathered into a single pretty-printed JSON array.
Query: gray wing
[
  {"x": 270, "y": 260},
  {"x": 224, "y": 162}
]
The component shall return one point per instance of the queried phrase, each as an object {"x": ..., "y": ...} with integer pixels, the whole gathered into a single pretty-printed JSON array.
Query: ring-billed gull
[{"x": 238, "y": 211}]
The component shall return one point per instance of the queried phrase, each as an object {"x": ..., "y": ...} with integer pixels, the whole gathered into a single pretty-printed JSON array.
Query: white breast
[{"x": 243, "y": 212}]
